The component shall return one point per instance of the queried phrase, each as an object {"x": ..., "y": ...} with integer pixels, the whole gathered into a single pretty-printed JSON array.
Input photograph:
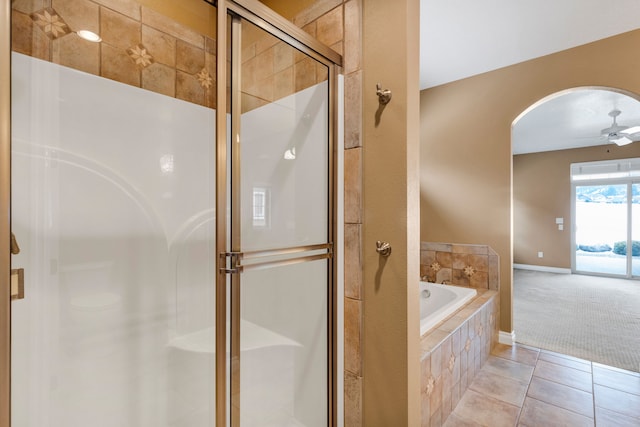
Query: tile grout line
[
  {"x": 571, "y": 387},
  {"x": 591, "y": 367},
  {"x": 526, "y": 393}
]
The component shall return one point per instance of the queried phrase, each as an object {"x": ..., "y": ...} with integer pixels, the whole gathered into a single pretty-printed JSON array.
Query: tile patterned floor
[{"x": 524, "y": 386}]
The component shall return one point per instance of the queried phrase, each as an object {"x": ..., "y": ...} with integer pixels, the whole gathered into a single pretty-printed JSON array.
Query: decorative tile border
[
  {"x": 475, "y": 266},
  {"x": 166, "y": 57},
  {"x": 139, "y": 47}
]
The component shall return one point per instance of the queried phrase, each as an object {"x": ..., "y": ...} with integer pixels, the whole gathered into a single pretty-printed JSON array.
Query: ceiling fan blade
[
  {"x": 621, "y": 140},
  {"x": 632, "y": 130}
]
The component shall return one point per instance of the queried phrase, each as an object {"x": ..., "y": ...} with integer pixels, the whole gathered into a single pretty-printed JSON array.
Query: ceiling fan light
[{"x": 623, "y": 140}]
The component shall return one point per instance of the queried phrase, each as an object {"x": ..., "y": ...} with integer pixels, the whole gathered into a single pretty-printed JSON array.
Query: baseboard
[
  {"x": 507, "y": 338},
  {"x": 542, "y": 268}
]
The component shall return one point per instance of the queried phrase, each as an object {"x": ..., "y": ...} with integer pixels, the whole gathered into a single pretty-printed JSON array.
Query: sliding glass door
[
  {"x": 606, "y": 208},
  {"x": 601, "y": 229}
]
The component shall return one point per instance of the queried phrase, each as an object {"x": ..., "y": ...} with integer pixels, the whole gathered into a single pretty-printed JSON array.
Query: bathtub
[{"x": 443, "y": 301}]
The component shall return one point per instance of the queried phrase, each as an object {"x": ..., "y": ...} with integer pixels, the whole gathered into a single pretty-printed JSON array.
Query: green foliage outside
[{"x": 620, "y": 248}]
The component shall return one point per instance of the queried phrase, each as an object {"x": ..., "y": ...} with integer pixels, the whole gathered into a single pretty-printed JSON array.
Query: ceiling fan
[{"x": 619, "y": 134}]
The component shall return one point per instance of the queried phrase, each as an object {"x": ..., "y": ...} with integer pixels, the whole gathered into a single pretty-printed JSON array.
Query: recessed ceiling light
[{"x": 89, "y": 36}]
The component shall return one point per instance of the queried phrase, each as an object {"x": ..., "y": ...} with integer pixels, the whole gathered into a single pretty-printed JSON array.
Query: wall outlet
[
  {"x": 560, "y": 227},
  {"x": 540, "y": 254}
]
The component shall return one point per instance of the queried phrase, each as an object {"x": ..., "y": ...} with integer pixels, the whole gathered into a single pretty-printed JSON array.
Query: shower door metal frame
[
  {"x": 230, "y": 258},
  {"x": 5, "y": 213}
]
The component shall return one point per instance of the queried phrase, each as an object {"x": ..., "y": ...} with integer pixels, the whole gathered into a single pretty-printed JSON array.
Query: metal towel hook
[
  {"x": 383, "y": 248},
  {"x": 384, "y": 95}
]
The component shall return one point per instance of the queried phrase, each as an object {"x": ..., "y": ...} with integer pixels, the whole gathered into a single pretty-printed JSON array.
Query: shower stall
[{"x": 172, "y": 202}]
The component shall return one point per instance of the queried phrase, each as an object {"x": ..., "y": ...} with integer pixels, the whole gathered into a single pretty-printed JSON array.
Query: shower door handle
[
  {"x": 15, "y": 249},
  {"x": 17, "y": 274}
]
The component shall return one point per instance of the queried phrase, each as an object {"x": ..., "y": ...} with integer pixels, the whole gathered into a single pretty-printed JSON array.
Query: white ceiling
[
  {"x": 462, "y": 38},
  {"x": 571, "y": 120}
]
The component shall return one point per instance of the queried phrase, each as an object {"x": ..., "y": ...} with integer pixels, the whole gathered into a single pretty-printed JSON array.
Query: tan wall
[
  {"x": 466, "y": 156},
  {"x": 195, "y": 14},
  {"x": 390, "y": 177},
  {"x": 290, "y": 9},
  {"x": 541, "y": 193}
]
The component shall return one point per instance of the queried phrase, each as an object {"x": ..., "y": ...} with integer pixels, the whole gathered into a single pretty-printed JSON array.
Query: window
[{"x": 261, "y": 207}]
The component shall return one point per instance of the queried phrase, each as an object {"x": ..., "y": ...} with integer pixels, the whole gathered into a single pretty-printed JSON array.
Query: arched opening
[{"x": 573, "y": 313}]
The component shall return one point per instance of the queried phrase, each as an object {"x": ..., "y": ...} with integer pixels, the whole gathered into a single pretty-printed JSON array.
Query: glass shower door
[
  {"x": 113, "y": 195},
  {"x": 281, "y": 232}
]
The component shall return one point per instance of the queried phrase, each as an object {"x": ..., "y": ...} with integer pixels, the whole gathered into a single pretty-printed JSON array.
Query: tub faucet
[{"x": 445, "y": 282}]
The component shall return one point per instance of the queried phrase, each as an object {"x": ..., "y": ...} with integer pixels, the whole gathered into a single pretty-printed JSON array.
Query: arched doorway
[{"x": 572, "y": 127}]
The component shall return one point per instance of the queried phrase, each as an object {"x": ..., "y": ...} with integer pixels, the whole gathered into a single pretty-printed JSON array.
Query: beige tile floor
[{"x": 525, "y": 386}]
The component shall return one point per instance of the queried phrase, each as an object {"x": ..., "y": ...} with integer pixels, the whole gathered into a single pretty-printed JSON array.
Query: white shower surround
[{"x": 101, "y": 331}]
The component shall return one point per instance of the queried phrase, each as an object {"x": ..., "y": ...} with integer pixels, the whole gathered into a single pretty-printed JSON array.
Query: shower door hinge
[{"x": 230, "y": 262}]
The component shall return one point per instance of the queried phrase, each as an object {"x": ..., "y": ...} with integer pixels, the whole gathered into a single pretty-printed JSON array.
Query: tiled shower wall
[
  {"x": 272, "y": 69},
  {"x": 475, "y": 266},
  {"x": 143, "y": 48},
  {"x": 139, "y": 47}
]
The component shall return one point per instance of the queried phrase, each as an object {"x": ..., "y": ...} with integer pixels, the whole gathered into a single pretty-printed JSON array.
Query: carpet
[{"x": 589, "y": 317}]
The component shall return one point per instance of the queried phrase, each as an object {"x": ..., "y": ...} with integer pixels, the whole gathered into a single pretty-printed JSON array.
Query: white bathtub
[{"x": 443, "y": 301}]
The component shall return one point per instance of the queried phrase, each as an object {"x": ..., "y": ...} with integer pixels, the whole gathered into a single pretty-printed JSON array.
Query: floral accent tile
[
  {"x": 205, "y": 78},
  {"x": 140, "y": 56},
  {"x": 435, "y": 267},
  {"x": 452, "y": 362},
  {"x": 467, "y": 345},
  {"x": 50, "y": 23},
  {"x": 469, "y": 271},
  {"x": 431, "y": 383}
]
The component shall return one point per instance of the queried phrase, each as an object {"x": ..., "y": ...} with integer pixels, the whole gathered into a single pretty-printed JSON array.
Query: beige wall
[
  {"x": 466, "y": 156},
  {"x": 290, "y": 9},
  {"x": 390, "y": 183},
  {"x": 195, "y": 14},
  {"x": 541, "y": 193}
]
